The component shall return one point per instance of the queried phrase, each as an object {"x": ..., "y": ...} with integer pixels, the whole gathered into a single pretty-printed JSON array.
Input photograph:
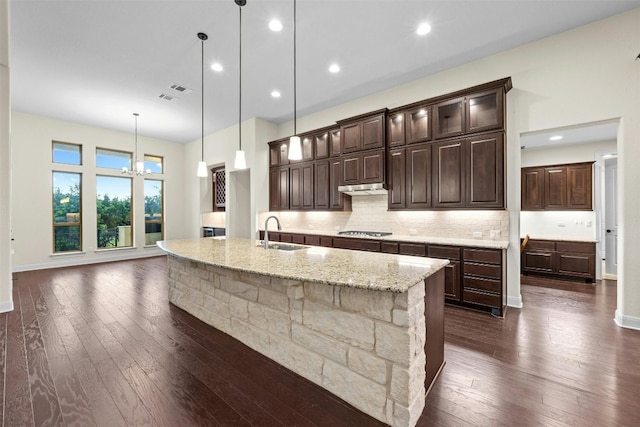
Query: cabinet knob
[{"x": 608, "y": 231}]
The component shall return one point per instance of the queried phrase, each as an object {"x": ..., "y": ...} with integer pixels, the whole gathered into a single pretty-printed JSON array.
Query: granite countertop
[
  {"x": 342, "y": 267},
  {"x": 453, "y": 241},
  {"x": 561, "y": 239}
]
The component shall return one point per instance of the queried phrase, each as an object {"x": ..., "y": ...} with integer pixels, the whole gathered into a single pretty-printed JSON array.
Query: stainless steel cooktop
[{"x": 364, "y": 233}]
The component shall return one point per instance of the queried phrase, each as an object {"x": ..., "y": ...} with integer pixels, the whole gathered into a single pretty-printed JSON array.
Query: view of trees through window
[
  {"x": 67, "y": 226},
  {"x": 152, "y": 211},
  {"x": 113, "y": 211}
]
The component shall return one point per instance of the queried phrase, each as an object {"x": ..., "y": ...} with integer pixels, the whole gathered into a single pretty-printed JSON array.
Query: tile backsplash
[{"x": 369, "y": 213}]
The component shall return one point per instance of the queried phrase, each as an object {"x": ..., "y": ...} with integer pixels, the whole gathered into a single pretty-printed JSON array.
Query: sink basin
[{"x": 284, "y": 246}]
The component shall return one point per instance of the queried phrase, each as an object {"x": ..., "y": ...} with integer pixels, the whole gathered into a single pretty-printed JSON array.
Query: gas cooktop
[{"x": 364, "y": 233}]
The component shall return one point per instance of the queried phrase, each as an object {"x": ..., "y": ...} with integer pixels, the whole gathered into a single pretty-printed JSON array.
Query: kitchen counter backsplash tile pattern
[{"x": 370, "y": 213}]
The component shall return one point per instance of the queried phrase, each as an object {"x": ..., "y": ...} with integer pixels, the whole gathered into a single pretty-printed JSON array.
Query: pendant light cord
[
  {"x": 202, "y": 104},
  {"x": 240, "y": 83},
  {"x": 136, "y": 150},
  {"x": 294, "y": 69}
]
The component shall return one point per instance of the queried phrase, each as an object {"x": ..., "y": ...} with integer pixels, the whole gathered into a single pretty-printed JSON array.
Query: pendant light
[
  {"x": 202, "y": 165},
  {"x": 240, "y": 161},
  {"x": 295, "y": 147},
  {"x": 138, "y": 166}
]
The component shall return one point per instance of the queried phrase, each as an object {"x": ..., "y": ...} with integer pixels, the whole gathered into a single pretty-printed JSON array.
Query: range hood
[{"x": 363, "y": 189}]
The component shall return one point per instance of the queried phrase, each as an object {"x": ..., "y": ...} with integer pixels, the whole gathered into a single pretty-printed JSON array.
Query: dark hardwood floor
[{"x": 100, "y": 345}]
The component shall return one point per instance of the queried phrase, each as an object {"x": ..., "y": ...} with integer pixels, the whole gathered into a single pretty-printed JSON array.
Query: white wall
[
  {"x": 32, "y": 138},
  {"x": 6, "y": 304},
  {"x": 581, "y": 76},
  {"x": 574, "y": 153}
]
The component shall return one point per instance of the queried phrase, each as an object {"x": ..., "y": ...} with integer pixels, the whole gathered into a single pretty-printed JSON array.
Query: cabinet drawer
[
  {"x": 482, "y": 298},
  {"x": 485, "y": 270},
  {"x": 483, "y": 284},
  {"x": 448, "y": 252},
  {"x": 326, "y": 241},
  {"x": 357, "y": 244},
  {"x": 545, "y": 245},
  {"x": 312, "y": 240},
  {"x": 297, "y": 238},
  {"x": 412, "y": 249},
  {"x": 389, "y": 247},
  {"x": 482, "y": 255},
  {"x": 580, "y": 247},
  {"x": 285, "y": 238}
]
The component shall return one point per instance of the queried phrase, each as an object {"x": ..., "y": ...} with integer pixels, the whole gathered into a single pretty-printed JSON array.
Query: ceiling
[
  {"x": 582, "y": 134},
  {"x": 96, "y": 62}
]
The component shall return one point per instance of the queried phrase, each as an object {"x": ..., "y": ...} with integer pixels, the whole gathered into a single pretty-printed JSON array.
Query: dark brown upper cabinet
[
  {"x": 485, "y": 110},
  {"x": 279, "y": 188},
  {"x": 449, "y": 174},
  {"x": 366, "y": 167},
  {"x": 363, "y": 132},
  {"x": 301, "y": 191},
  {"x": 307, "y": 143},
  {"x": 557, "y": 187},
  {"x": 409, "y": 126},
  {"x": 419, "y": 176},
  {"x": 335, "y": 143},
  {"x": 321, "y": 142},
  {"x": 279, "y": 152},
  {"x": 396, "y": 170},
  {"x": 449, "y": 118},
  {"x": 485, "y": 171}
]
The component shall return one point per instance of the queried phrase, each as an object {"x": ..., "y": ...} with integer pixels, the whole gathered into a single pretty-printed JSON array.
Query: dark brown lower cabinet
[
  {"x": 474, "y": 278},
  {"x": 567, "y": 259}
]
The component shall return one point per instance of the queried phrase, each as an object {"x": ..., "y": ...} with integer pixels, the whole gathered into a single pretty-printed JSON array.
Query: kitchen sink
[{"x": 283, "y": 246}]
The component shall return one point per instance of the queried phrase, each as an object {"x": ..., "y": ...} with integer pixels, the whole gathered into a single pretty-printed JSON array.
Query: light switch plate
[{"x": 477, "y": 234}]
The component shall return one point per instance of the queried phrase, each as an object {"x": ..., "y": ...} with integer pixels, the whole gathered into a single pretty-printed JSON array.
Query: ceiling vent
[
  {"x": 180, "y": 88},
  {"x": 168, "y": 97}
]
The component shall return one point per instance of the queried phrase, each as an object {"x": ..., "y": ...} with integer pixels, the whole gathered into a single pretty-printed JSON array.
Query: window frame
[
  {"x": 131, "y": 213},
  {"x": 162, "y": 211}
]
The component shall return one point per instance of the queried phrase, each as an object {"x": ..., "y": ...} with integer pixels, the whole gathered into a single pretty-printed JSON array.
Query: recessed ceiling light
[
  {"x": 275, "y": 94},
  {"x": 275, "y": 25},
  {"x": 555, "y": 138},
  {"x": 216, "y": 66},
  {"x": 334, "y": 68},
  {"x": 423, "y": 29}
]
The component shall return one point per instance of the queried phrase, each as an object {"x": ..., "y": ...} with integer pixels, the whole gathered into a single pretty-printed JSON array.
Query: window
[
  {"x": 113, "y": 211},
  {"x": 67, "y": 218},
  {"x": 70, "y": 154},
  {"x": 111, "y": 159},
  {"x": 153, "y": 217},
  {"x": 153, "y": 163}
]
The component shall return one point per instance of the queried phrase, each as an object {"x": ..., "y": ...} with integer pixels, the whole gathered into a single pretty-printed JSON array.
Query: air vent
[
  {"x": 168, "y": 97},
  {"x": 180, "y": 88}
]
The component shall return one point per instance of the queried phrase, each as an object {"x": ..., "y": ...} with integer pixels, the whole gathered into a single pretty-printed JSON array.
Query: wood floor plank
[{"x": 106, "y": 336}]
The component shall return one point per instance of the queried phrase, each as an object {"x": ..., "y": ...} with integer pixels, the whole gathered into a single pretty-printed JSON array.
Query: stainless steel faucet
[{"x": 265, "y": 242}]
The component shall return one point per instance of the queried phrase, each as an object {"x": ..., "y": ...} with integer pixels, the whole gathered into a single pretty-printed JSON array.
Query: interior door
[{"x": 610, "y": 216}]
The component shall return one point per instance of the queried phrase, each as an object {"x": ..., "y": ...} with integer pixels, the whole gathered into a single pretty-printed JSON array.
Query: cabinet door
[
  {"x": 419, "y": 176},
  {"x": 307, "y": 186},
  {"x": 485, "y": 171},
  {"x": 555, "y": 187},
  {"x": 397, "y": 171},
  {"x": 336, "y": 198},
  {"x": 449, "y": 118},
  {"x": 395, "y": 129},
  {"x": 307, "y": 148},
  {"x": 284, "y": 152},
  {"x": 418, "y": 125},
  {"x": 579, "y": 185},
  {"x": 537, "y": 261},
  {"x": 274, "y": 154},
  {"x": 279, "y": 189},
  {"x": 351, "y": 136},
  {"x": 322, "y": 180},
  {"x": 576, "y": 264},
  {"x": 452, "y": 280},
  {"x": 373, "y": 166},
  {"x": 448, "y": 174},
  {"x": 321, "y": 143},
  {"x": 351, "y": 166},
  {"x": 532, "y": 189},
  {"x": 484, "y": 111},
  {"x": 295, "y": 187},
  {"x": 335, "y": 145},
  {"x": 373, "y": 132}
]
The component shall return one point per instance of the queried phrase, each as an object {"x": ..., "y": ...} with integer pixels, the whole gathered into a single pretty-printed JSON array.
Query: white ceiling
[
  {"x": 582, "y": 134},
  {"x": 96, "y": 62}
]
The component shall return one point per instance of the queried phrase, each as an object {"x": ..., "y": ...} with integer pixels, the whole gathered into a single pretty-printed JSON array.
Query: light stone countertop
[
  {"x": 561, "y": 239},
  {"x": 341, "y": 267},
  {"x": 452, "y": 241}
]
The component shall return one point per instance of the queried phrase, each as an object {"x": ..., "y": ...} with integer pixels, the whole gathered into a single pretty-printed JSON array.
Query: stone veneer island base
[{"x": 368, "y": 327}]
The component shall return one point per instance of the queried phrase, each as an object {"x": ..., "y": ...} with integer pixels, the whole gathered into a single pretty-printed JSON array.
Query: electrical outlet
[
  {"x": 477, "y": 234},
  {"x": 494, "y": 234},
  {"x": 413, "y": 232}
]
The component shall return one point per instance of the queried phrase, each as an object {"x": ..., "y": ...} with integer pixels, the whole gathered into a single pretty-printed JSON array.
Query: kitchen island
[{"x": 368, "y": 327}]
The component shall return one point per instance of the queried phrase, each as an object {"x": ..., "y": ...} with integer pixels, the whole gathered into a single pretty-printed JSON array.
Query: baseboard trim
[
  {"x": 6, "y": 306},
  {"x": 515, "y": 302},
  {"x": 629, "y": 322},
  {"x": 117, "y": 256}
]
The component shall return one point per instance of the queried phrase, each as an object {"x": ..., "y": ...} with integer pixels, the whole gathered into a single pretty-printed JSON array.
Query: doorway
[{"x": 610, "y": 229}]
